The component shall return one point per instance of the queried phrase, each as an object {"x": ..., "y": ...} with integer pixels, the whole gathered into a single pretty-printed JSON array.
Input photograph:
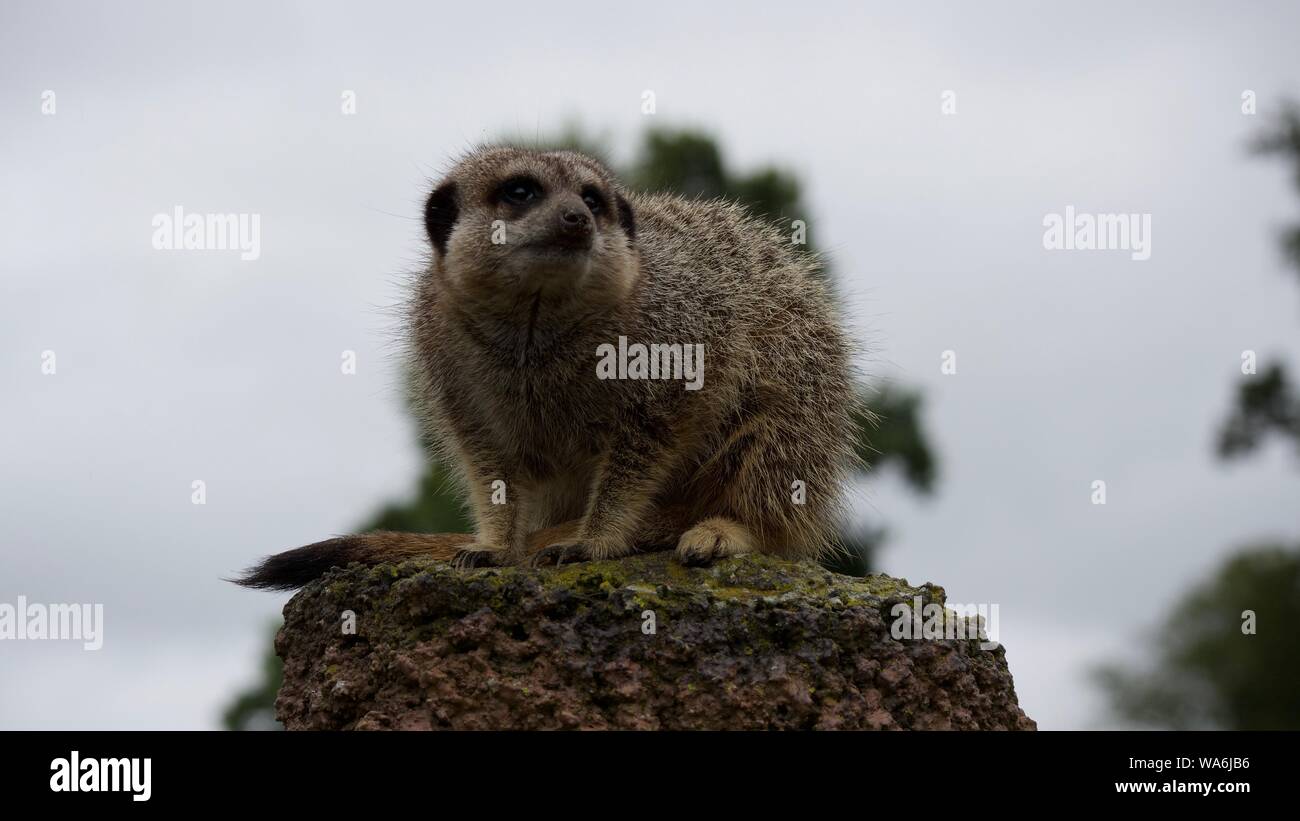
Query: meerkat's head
[{"x": 509, "y": 226}]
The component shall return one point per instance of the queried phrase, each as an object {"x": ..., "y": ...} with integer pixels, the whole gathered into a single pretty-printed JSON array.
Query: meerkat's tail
[{"x": 294, "y": 568}]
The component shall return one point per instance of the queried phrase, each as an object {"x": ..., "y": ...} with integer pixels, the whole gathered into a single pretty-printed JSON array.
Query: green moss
[{"x": 420, "y": 596}]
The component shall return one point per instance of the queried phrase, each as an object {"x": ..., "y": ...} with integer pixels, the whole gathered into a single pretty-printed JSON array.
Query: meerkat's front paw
[
  {"x": 482, "y": 555},
  {"x": 713, "y": 539},
  {"x": 564, "y": 553}
]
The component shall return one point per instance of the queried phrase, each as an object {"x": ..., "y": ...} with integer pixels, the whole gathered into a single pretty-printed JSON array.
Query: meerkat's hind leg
[
  {"x": 660, "y": 531},
  {"x": 714, "y": 538},
  {"x": 476, "y": 555},
  {"x": 561, "y": 553}
]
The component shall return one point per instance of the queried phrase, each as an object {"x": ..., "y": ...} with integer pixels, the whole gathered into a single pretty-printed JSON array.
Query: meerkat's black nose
[
  {"x": 573, "y": 221},
  {"x": 575, "y": 229}
]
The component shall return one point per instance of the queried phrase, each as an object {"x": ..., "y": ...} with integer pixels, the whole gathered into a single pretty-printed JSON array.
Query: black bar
[{"x": 583, "y": 772}]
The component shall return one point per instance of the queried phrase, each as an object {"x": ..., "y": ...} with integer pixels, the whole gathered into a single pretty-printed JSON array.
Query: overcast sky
[{"x": 1072, "y": 366}]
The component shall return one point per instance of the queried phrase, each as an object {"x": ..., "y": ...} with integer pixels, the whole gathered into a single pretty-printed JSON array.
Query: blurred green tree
[
  {"x": 1267, "y": 403},
  {"x": 1206, "y": 670},
  {"x": 690, "y": 163},
  {"x": 254, "y": 707}
]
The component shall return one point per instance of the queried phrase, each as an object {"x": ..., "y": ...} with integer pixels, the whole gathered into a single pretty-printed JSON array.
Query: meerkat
[{"x": 542, "y": 265}]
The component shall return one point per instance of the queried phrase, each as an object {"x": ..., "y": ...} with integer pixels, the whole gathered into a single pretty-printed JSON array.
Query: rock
[{"x": 644, "y": 643}]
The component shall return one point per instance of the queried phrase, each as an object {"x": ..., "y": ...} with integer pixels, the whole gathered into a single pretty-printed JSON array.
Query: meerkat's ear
[
  {"x": 440, "y": 215},
  {"x": 625, "y": 216}
]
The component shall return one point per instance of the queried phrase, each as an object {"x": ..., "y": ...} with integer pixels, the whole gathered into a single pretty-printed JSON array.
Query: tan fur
[
  {"x": 388, "y": 546},
  {"x": 504, "y": 343},
  {"x": 294, "y": 568},
  {"x": 503, "y": 339},
  {"x": 714, "y": 538}
]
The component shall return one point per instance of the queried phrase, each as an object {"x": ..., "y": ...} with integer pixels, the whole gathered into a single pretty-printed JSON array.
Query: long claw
[
  {"x": 472, "y": 557},
  {"x": 561, "y": 553}
]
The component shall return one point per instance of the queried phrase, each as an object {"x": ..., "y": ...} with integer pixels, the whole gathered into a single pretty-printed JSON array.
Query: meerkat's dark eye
[
  {"x": 520, "y": 190},
  {"x": 593, "y": 198}
]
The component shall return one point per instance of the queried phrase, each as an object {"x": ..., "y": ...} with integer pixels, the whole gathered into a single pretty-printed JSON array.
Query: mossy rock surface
[{"x": 749, "y": 643}]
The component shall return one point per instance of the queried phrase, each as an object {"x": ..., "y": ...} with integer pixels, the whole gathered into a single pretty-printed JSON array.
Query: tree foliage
[
  {"x": 1267, "y": 404},
  {"x": 1205, "y": 670}
]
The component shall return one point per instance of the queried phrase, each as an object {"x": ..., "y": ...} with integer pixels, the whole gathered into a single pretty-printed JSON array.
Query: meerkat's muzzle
[{"x": 573, "y": 229}]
